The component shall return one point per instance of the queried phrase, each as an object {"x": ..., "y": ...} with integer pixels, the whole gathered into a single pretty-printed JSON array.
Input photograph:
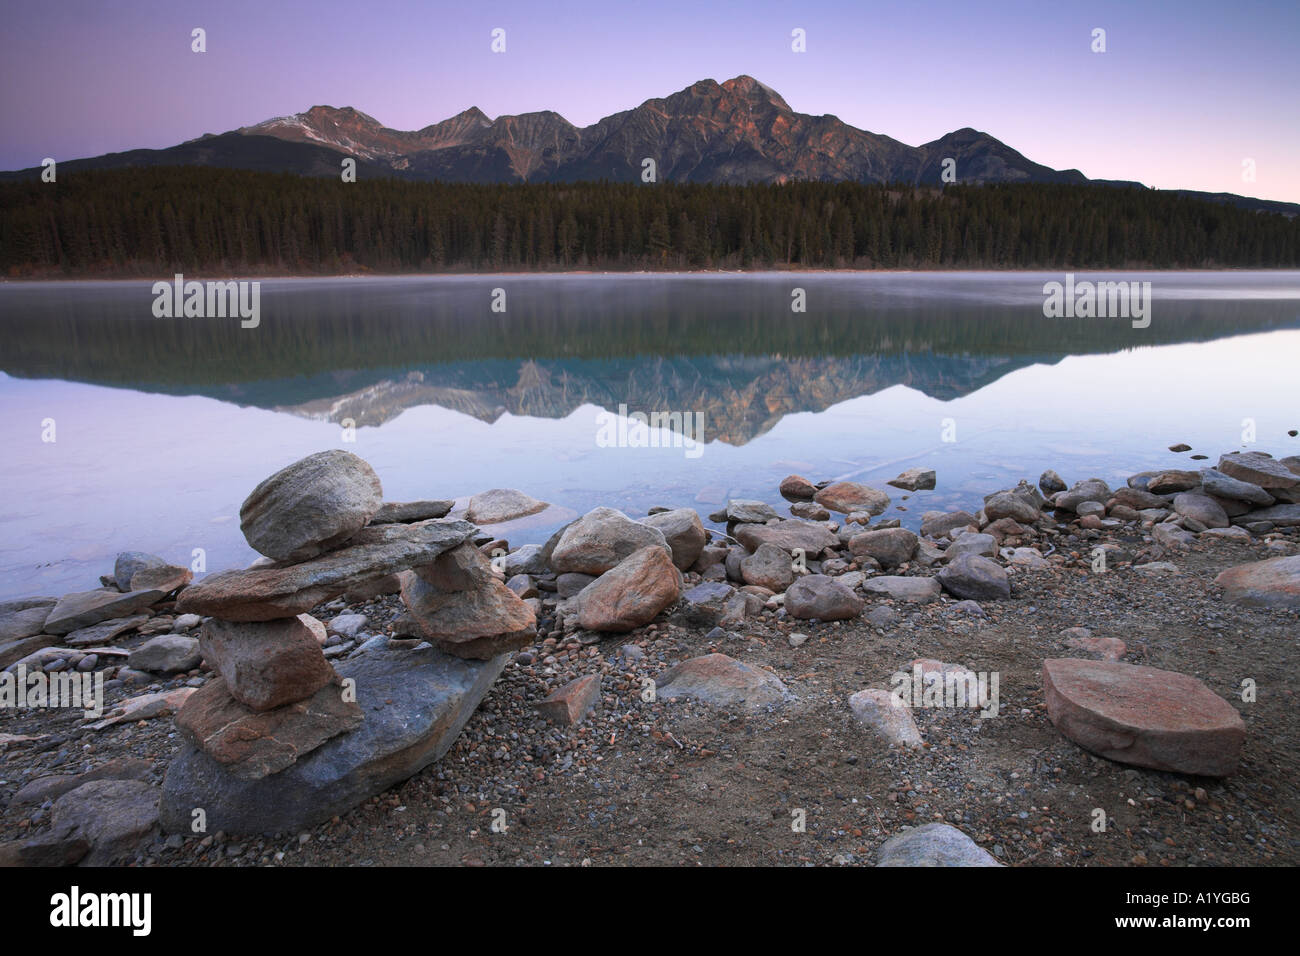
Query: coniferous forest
[{"x": 198, "y": 220}]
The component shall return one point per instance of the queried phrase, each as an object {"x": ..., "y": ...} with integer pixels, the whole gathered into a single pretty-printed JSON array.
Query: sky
[{"x": 1184, "y": 95}]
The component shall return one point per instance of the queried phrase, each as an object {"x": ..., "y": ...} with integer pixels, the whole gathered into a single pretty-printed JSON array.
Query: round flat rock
[{"x": 1143, "y": 716}]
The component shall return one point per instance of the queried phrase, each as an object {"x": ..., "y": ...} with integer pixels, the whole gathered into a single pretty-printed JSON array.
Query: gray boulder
[
  {"x": 972, "y": 542},
  {"x": 768, "y": 567},
  {"x": 933, "y": 844},
  {"x": 168, "y": 654},
  {"x": 525, "y": 560},
  {"x": 415, "y": 703},
  {"x": 816, "y": 596},
  {"x": 915, "y": 479},
  {"x": 1090, "y": 489},
  {"x": 113, "y": 817},
  {"x": 745, "y": 511},
  {"x": 683, "y": 531},
  {"x": 129, "y": 562},
  {"x": 704, "y": 604},
  {"x": 311, "y": 506},
  {"x": 936, "y": 524},
  {"x": 1022, "y": 503},
  {"x": 975, "y": 578},
  {"x": 1202, "y": 508},
  {"x": 890, "y": 547},
  {"x": 600, "y": 540},
  {"x": 1049, "y": 482},
  {"x": 1215, "y": 482}
]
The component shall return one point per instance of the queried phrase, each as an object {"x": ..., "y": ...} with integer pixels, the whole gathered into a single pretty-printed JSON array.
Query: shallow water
[{"x": 162, "y": 426}]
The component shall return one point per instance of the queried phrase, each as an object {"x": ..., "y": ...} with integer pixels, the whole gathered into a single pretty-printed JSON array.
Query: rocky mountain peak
[{"x": 751, "y": 89}]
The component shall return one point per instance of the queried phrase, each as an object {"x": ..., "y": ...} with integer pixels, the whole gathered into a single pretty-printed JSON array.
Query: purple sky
[{"x": 1185, "y": 92}]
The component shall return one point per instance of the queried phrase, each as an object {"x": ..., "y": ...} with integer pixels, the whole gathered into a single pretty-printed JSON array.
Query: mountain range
[{"x": 735, "y": 132}]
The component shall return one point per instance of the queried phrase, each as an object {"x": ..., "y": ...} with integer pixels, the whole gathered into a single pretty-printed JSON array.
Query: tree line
[{"x": 203, "y": 220}]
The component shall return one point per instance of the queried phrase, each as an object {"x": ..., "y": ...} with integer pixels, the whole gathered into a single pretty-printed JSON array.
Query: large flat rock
[
  {"x": 84, "y": 608},
  {"x": 1143, "y": 716},
  {"x": 268, "y": 593},
  {"x": 1271, "y": 583},
  {"x": 1258, "y": 469},
  {"x": 104, "y": 631},
  {"x": 1215, "y": 482},
  {"x": 24, "y": 617},
  {"x": 11, "y": 652},
  {"x": 415, "y": 704},
  {"x": 251, "y": 744},
  {"x": 1282, "y": 516}
]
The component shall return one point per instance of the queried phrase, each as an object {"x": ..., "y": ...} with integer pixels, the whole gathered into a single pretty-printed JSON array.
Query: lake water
[{"x": 161, "y": 427}]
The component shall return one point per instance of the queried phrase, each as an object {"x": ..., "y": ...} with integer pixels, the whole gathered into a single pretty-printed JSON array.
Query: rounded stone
[{"x": 311, "y": 506}]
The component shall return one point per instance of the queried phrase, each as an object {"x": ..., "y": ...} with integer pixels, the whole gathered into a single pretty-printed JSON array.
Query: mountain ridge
[{"x": 735, "y": 132}]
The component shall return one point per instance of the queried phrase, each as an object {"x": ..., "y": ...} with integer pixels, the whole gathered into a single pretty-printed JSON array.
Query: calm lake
[{"x": 161, "y": 427}]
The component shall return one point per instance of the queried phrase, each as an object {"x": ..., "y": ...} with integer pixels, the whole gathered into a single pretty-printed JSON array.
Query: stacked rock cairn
[{"x": 323, "y": 527}]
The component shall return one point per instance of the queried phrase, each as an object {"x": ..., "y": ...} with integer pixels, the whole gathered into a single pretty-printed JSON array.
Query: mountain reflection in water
[{"x": 165, "y": 425}]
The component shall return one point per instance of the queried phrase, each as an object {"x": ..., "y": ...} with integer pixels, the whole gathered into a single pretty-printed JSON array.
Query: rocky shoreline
[{"x": 390, "y": 657}]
